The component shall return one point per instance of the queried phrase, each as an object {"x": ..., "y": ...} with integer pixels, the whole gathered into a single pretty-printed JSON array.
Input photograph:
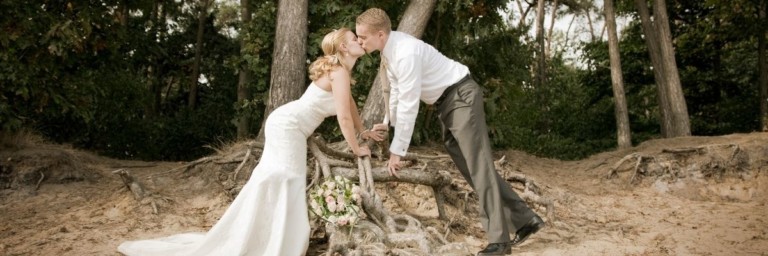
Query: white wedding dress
[{"x": 269, "y": 215}]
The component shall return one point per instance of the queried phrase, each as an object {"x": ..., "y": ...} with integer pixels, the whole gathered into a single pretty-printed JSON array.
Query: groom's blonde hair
[{"x": 376, "y": 18}]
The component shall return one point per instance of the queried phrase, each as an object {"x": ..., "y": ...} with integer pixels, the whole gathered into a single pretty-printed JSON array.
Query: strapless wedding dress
[{"x": 269, "y": 215}]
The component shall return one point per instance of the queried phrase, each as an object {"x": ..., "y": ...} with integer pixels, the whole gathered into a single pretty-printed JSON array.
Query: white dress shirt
[{"x": 416, "y": 71}]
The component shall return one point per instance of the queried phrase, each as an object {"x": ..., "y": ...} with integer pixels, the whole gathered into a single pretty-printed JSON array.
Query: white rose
[
  {"x": 314, "y": 205},
  {"x": 356, "y": 197}
]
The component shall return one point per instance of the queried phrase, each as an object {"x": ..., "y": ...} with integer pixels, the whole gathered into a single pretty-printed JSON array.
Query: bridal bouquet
[{"x": 337, "y": 201}]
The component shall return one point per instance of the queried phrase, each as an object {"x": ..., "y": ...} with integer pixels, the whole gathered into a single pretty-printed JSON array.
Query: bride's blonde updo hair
[{"x": 331, "y": 55}]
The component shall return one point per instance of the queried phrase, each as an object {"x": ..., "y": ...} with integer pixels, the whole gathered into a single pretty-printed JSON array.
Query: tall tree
[
  {"x": 679, "y": 111},
  {"x": 623, "y": 134},
  {"x": 153, "y": 66},
  {"x": 289, "y": 57},
  {"x": 553, "y": 18},
  {"x": 654, "y": 50},
  {"x": 541, "y": 72},
  {"x": 590, "y": 23},
  {"x": 202, "y": 14},
  {"x": 414, "y": 22},
  {"x": 244, "y": 72},
  {"x": 523, "y": 12},
  {"x": 762, "y": 65}
]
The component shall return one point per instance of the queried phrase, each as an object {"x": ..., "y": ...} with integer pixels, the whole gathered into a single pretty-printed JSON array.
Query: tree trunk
[
  {"x": 414, "y": 22},
  {"x": 665, "y": 118},
  {"x": 551, "y": 28},
  {"x": 153, "y": 72},
  {"x": 289, "y": 60},
  {"x": 541, "y": 72},
  {"x": 193, "y": 83},
  {"x": 524, "y": 13},
  {"x": 680, "y": 122},
  {"x": 568, "y": 30},
  {"x": 762, "y": 67},
  {"x": 244, "y": 72},
  {"x": 623, "y": 134},
  {"x": 591, "y": 26}
]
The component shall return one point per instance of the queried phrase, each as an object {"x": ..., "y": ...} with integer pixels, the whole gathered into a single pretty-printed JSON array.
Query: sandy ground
[{"x": 703, "y": 205}]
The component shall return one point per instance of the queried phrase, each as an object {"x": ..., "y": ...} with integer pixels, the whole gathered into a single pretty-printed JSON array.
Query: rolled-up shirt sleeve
[{"x": 406, "y": 101}]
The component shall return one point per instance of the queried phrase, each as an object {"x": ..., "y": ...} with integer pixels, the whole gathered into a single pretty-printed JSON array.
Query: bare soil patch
[{"x": 707, "y": 200}]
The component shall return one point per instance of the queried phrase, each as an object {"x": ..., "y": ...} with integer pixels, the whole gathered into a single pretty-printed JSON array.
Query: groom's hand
[
  {"x": 373, "y": 135},
  {"x": 380, "y": 127},
  {"x": 393, "y": 165},
  {"x": 380, "y": 132}
]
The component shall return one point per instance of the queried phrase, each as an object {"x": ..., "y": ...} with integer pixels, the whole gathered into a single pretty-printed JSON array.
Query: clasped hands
[
  {"x": 375, "y": 134},
  {"x": 379, "y": 133}
]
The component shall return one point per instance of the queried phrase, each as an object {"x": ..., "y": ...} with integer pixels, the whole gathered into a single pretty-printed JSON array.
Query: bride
[{"x": 269, "y": 215}]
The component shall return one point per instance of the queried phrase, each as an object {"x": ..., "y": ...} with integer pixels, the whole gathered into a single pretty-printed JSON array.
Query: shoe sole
[
  {"x": 535, "y": 229},
  {"x": 508, "y": 251}
]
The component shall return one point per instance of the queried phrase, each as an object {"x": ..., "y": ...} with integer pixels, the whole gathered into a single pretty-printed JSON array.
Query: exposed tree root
[
  {"x": 399, "y": 234},
  {"x": 714, "y": 160},
  {"x": 141, "y": 194},
  {"x": 382, "y": 233},
  {"x": 131, "y": 183},
  {"x": 31, "y": 168}
]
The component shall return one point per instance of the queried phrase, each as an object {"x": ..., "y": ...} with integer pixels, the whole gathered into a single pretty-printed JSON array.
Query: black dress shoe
[
  {"x": 496, "y": 249},
  {"x": 524, "y": 232}
]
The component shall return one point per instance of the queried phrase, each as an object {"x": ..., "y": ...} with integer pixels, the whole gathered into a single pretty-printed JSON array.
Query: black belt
[{"x": 450, "y": 88}]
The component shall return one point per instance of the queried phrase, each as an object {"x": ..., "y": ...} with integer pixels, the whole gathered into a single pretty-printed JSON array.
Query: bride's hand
[{"x": 363, "y": 151}]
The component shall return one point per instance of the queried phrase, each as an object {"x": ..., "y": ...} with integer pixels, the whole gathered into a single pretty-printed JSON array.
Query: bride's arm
[
  {"x": 356, "y": 115},
  {"x": 342, "y": 97}
]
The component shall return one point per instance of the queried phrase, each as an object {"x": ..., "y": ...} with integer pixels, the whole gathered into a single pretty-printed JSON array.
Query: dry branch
[
  {"x": 132, "y": 184},
  {"x": 426, "y": 177},
  {"x": 348, "y": 156},
  {"x": 242, "y": 163},
  {"x": 39, "y": 181}
]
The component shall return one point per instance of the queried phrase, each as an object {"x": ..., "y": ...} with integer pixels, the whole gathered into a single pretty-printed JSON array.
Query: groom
[{"x": 417, "y": 71}]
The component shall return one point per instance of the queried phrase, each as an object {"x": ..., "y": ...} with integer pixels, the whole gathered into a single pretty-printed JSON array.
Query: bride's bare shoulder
[
  {"x": 337, "y": 74},
  {"x": 323, "y": 82}
]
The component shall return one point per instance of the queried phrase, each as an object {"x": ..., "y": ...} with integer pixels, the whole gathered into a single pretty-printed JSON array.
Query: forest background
[{"x": 165, "y": 79}]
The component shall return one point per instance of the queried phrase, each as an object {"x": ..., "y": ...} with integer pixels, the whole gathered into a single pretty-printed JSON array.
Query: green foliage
[
  {"x": 717, "y": 64},
  {"x": 114, "y": 76}
]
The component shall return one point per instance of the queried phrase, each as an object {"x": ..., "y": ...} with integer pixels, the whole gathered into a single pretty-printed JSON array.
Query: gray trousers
[{"x": 465, "y": 135}]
